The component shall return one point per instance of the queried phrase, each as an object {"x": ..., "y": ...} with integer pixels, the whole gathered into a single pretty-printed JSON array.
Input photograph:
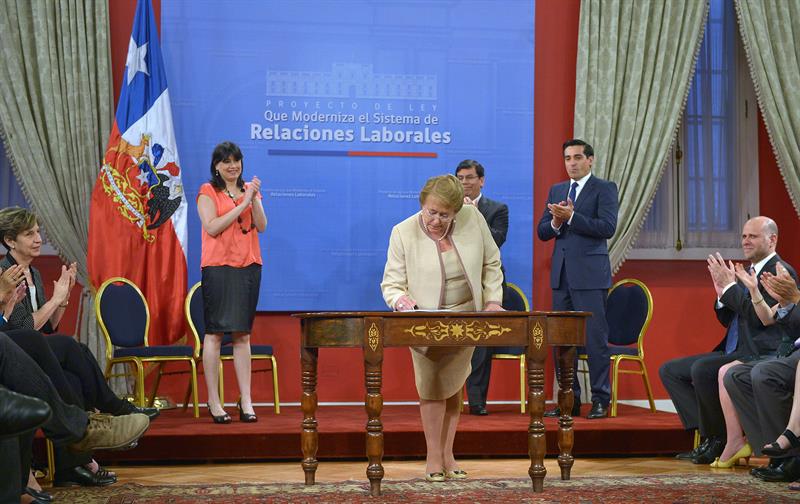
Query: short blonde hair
[
  {"x": 446, "y": 188},
  {"x": 13, "y": 221}
]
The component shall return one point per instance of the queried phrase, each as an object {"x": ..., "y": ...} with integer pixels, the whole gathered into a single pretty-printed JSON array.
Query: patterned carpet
[{"x": 711, "y": 488}]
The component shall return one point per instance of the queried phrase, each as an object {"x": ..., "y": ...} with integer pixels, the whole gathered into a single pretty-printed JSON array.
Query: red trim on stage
[
  {"x": 177, "y": 436},
  {"x": 392, "y": 154}
]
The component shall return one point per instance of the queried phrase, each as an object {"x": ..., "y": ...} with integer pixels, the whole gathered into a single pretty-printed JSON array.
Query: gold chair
[
  {"x": 193, "y": 310},
  {"x": 124, "y": 318},
  {"x": 628, "y": 311},
  {"x": 515, "y": 300}
]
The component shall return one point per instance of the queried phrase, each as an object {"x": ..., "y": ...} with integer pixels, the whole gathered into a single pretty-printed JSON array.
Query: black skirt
[{"x": 230, "y": 296}]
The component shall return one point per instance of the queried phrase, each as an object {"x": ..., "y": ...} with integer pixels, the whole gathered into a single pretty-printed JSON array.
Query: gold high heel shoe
[{"x": 744, "y": 453}]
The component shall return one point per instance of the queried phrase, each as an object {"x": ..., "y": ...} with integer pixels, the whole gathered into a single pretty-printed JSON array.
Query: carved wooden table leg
[
  {"x": 373, "y": 402},
  {"x": 566, "y": 363},
  {"x": 309, "y": 438},
  {"x": 536, "y": 435}
]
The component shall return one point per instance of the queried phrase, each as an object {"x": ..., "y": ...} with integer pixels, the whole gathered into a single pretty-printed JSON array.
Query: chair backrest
[
  {"x": 195, "y": 318},
  {"x": 193, "y": 309},
  {"x": 122, "y": 313},
  {"x": 514, "y": 299},
  {"x": 628, "y": 312}
]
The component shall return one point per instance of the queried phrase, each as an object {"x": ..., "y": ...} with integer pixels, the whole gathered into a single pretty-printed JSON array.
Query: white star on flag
[
  {"x": 135, "y": 61},
  {"x": 143, "y": 177}
]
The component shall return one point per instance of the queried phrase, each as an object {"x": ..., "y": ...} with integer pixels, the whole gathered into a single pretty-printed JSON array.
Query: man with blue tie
[
  {"x": 692, "y": 382},
  {"x": 762, "y": 391},
  {"x": 581, "y": 215}
]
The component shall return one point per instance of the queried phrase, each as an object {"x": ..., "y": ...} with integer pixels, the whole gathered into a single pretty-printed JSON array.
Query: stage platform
[{"x": 176, "y": 436}]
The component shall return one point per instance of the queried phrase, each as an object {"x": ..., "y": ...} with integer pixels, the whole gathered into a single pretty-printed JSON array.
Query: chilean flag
[{"x": 137, "y": 221}]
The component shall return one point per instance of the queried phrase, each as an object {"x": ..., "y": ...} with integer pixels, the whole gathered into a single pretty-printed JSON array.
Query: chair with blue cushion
[
  {"x": 193, "y": 309},
  {"x": 515, "y": 300},
  {"x": 124, "y": 318},
  {"x": 628, "y": 312}
]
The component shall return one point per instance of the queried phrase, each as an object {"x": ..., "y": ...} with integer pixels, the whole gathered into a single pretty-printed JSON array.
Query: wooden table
[{"x": 375, "y": 330}]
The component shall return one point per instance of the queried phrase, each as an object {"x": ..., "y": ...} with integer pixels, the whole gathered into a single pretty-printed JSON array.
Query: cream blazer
[{"x": 414, "y": 264}]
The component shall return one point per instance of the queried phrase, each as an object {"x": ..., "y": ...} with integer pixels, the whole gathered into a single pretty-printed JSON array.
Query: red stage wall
[{"x": 683, "y": 320}]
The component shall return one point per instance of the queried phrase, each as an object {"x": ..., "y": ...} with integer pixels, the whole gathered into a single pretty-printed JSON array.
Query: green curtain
[
  {"x": 772, "y": 41},
  {"x": 56, "y": 106},
  {"x": 635, "y": 63}
]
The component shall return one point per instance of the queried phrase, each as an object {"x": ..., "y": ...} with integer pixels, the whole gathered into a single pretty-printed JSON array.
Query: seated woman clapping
[{"x": 70, "y": 365}]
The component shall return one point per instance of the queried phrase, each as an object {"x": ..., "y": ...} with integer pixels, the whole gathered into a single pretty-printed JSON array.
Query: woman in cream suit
[{"x": 442, "y": 257}]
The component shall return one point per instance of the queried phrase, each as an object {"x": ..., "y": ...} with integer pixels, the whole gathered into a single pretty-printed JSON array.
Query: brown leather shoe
[{"x": 106, "y": 432}]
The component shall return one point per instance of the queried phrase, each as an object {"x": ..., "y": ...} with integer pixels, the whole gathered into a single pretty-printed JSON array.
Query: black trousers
[
  {"x": 11, "y": 483},
  {"x": 38, "y": 347},
  {"x": 478, "y": 379},
  {"x": 762, "y": 392},
  {"x": 18, "y": 372},
  {"x": 71, "y": 372},
  {"x": 693, "y": 385},
  {"x": 599, "y": 356}
]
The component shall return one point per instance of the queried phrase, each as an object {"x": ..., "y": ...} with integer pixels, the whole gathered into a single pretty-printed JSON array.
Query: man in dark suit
[
  {"x": 692, "y": 382},
  {"x": 581, "y": 215},
  {"x": 472, "y": 177},
  {"x": 762, "y": 391}
]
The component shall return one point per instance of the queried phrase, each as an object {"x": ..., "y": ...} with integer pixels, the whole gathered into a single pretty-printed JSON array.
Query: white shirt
[
  {"x": 581, "y": 182},
  {"x": 757, "y": 267},
  {"x": 32, "y": 290}
]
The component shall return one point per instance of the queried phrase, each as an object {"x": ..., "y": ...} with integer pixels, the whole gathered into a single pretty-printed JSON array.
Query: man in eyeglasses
[{"x": 472, "y": 177}]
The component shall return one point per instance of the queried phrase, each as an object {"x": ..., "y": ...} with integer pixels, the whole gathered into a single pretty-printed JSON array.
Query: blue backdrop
[{"x": 344, "y": 109}]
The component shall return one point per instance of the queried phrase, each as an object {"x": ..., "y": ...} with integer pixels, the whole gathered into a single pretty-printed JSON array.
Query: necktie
[
  {"x": 573, "y": 191},
  {"x": 732, "y": 338}
]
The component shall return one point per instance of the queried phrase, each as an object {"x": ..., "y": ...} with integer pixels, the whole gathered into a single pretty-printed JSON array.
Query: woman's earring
[{"x": 217, "y": 173}]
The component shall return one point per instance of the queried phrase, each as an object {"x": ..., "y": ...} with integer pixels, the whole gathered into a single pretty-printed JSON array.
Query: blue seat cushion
[
  {"x": 155, "y": 351},
  {"x": 623, "y": 350},
  {"x": 227, "y": 350}
]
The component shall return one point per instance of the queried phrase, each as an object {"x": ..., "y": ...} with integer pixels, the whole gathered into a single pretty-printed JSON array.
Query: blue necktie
[
  {"x": 733, "y": 335},
  {"x": 732, "y": 339},
  {"x": 573, "y": 191}
]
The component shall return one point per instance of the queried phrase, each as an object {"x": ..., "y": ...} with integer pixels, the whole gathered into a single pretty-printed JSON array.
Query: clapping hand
[
  {"x": 470, "y": 201},
  {"x": 493, "y": 307},
  {"x": 253, "y": 188},
  {"x": 561, "y": 212},
  {"x": 12, "y": 299},
  {"x": 721, "y": 274},
  {"x": 73, "y": 272},
  {"x": 10, "y": 279},
  {"x": 748, "y": 278},
  {"x": 781, "y": 286},
  {"x": 63, "y": 285}
]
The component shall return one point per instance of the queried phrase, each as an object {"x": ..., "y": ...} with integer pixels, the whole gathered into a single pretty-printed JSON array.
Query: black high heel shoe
[
  {"x": 220, "y": 419},
  {"x": 245, "y": 417},
  {"x": 774, "y": 449}
]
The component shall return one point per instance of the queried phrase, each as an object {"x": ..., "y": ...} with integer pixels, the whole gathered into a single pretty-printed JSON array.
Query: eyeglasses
[
  {"x": 433, "y": 214},
  {"x": 470, "y": 178}
]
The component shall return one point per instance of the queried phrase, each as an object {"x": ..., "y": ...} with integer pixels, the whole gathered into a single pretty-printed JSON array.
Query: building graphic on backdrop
[{"x": 353, "y": 81}]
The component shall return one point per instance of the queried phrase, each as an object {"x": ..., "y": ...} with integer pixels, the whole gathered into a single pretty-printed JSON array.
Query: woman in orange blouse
[{"x": 232, "y": 216}]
